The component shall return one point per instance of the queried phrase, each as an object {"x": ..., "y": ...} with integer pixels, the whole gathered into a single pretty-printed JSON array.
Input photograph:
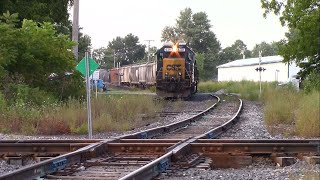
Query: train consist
[{"x": 174, "y": 74}]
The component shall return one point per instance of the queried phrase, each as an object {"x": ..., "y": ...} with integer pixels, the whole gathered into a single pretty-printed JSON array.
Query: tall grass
[
  {"x": 109, "y": 113},
  {"x": 282, "y": 105},
  {"x": 308, "y": 115},
  {"x": 247, "y": 89}
]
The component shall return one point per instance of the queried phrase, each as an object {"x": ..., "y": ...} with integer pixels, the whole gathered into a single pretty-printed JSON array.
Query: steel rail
[
  {"x": 52, "y": 141},
  {"x": 52, "y": 165},
  {"x": 179, "y": 150},
  {"x": 219, "y": 145},
  {"x": 150, "y": 133},
  {"x": 256, "y": 148},
  {"x": 25, "y": 148},
  {"x": 224, "y": 127}
]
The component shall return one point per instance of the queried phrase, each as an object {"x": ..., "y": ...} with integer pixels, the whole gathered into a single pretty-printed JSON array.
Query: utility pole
[
  {"x": 148, "y": 49},
  {"x": 75, "y": 27}
]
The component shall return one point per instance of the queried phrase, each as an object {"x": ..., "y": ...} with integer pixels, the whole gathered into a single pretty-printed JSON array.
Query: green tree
[
  {"x": 193, "y": 29},
  {"x": 303, "y": 39},
  {"x": 84, "y": 44},
  {"x": 128, "y": 50},
  {"x": 39, "y": 10},
  {"x": 266, "y": 49},
  {"x": 185, "y": 25},
  {"x": 104, "y": 57},
  {"x": 235, "y": 51},
  {"x": 31, "y": 54},
  {"x": 169, "y": 33},
  {"x": 200, "y": 57}
]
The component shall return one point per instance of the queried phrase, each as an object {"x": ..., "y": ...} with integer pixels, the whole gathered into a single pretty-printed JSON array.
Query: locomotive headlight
[{"x": 174, "y": 48}]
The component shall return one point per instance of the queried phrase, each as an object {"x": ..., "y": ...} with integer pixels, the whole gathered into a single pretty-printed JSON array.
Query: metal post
[
  {"x": 88, "y": 96},
  {"x": 260, "y": 73},
  {"x": 75, "y": 27}
]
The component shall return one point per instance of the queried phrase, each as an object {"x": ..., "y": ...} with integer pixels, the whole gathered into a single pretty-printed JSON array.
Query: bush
[
  {"x": 24, "y": 95},
  {"x": 312, "y": 82}
]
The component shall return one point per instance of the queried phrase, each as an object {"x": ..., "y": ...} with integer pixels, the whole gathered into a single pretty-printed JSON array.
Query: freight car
[
  {"x": 177, "y": 73},
  {"x": 140, "y": 75}
]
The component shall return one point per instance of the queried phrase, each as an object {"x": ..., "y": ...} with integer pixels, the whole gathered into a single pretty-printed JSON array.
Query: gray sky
[{"x": 103, "y": 20}]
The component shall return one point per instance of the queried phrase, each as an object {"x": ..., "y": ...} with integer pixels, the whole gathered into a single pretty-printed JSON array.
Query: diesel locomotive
[
  {"x": 177, "y": 74},
  {"x": 174, "y": 74}
]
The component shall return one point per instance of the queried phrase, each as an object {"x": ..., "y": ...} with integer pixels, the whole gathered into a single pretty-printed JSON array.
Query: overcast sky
[{"x": 104, "y": 20}]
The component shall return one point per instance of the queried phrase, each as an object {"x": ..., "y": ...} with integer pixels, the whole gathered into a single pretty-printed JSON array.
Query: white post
[
  {"x": 88, "y": 96},
  {"x": 260, "y": 73}
]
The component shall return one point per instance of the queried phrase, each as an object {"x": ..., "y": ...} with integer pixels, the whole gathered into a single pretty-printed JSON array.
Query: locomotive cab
[{"x": 177, "y": 74}]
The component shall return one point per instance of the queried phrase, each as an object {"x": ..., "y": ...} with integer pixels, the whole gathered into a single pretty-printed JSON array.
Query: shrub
[{"x": 312, "y": 82}]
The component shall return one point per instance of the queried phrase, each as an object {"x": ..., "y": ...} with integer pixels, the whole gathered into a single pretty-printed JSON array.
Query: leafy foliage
[
  {"x": 303, "y": 19},
  {"x": 104, "y": 57},
  {"x": 39, "y": 10},
  {"x": 33, "y": 52},
  {"x": 193, "y": 29},
  {"x": 266, "y": 49},
  {"x": 128, "y": 50},
  {"x": 312, "y": 82},
  {"x": 84, "y": 44},
  {"x": 233, "y": 52}
]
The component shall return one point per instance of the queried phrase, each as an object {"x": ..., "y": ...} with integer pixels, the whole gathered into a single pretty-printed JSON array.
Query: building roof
[{"x": 252, "y": 61}]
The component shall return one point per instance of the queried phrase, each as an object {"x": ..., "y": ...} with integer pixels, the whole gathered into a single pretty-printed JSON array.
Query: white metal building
[{"x": 244, "y": 69}]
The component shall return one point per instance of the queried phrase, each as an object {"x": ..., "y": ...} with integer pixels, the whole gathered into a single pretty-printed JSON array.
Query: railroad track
[{"x": 141, "y": 156}]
